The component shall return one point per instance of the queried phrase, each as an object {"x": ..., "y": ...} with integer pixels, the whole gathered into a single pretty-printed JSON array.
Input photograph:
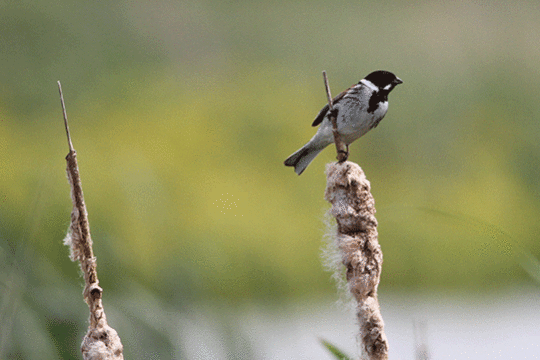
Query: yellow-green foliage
[{"x": 182, "y": 115}]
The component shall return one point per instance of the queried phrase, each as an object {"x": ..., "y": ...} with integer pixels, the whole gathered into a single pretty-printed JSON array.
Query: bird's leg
[{"x": 344, "y": 154}]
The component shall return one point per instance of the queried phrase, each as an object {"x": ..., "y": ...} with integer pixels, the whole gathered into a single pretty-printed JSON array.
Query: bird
[{"x": 358, "y": 109}]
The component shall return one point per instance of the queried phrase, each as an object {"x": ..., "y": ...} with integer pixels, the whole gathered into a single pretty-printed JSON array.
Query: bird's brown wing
[{"x": 324, "y": 110}]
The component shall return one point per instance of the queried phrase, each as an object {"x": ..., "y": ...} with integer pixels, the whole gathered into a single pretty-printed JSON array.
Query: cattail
[
  {"x": 353, "y": 207},
  {"x": 101, "y": 342}
]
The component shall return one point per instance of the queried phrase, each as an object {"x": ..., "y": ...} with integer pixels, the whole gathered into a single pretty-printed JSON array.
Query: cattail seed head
[{"x": 353, "y": 207}]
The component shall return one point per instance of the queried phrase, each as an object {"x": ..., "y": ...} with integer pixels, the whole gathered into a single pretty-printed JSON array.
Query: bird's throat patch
[{"x": 376, "y": 98}]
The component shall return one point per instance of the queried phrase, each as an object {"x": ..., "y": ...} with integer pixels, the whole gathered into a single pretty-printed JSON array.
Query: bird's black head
[{"x": 384, "y": 80}]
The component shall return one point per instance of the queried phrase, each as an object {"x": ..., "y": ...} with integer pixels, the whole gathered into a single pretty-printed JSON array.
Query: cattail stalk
[
  {"x": 101, "y": 342},
  {"x": 341, "y": 148},
  {"x": 353, "y": 207}
]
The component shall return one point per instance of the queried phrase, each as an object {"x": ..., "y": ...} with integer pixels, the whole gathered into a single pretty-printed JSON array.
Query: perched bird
[{"x": 358, "y": 109}]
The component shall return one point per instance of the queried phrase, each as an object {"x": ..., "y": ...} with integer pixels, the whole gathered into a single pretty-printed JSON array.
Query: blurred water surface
[{"x": 449, "y": 326}]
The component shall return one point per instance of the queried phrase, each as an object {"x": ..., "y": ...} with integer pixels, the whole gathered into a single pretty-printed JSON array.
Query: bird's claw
[{"x": 343, "y": 155}]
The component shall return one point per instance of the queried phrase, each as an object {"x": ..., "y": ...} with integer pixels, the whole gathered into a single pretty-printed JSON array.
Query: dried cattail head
[
  {"x": 101, "y": 341},
  {"x": 353, "y": 207}
]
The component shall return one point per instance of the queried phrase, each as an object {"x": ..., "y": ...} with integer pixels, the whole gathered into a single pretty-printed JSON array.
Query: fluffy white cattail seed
[{"x": 353, "y": 207}]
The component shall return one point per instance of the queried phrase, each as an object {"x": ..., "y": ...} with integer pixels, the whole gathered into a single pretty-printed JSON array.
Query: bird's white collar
[{"x": 369, "y": 84}]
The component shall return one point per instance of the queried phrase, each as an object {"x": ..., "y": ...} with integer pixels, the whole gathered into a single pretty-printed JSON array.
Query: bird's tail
[{"x": 302, "y": 158}]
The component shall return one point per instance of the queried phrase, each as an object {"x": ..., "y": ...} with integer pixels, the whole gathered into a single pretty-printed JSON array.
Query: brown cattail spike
[
  {"x": 353, "y": 207},
  {"x": 101, "y": 342}
]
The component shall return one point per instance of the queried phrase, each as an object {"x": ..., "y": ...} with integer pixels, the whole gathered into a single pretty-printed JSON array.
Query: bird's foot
[{"x": 343, "y": 155}]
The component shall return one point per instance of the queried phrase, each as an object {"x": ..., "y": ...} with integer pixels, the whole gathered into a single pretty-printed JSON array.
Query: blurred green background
[{"x": 182, "y": 113}]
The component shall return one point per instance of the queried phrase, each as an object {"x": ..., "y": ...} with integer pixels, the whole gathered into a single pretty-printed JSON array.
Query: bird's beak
[{"x": 398, "y": 81}]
